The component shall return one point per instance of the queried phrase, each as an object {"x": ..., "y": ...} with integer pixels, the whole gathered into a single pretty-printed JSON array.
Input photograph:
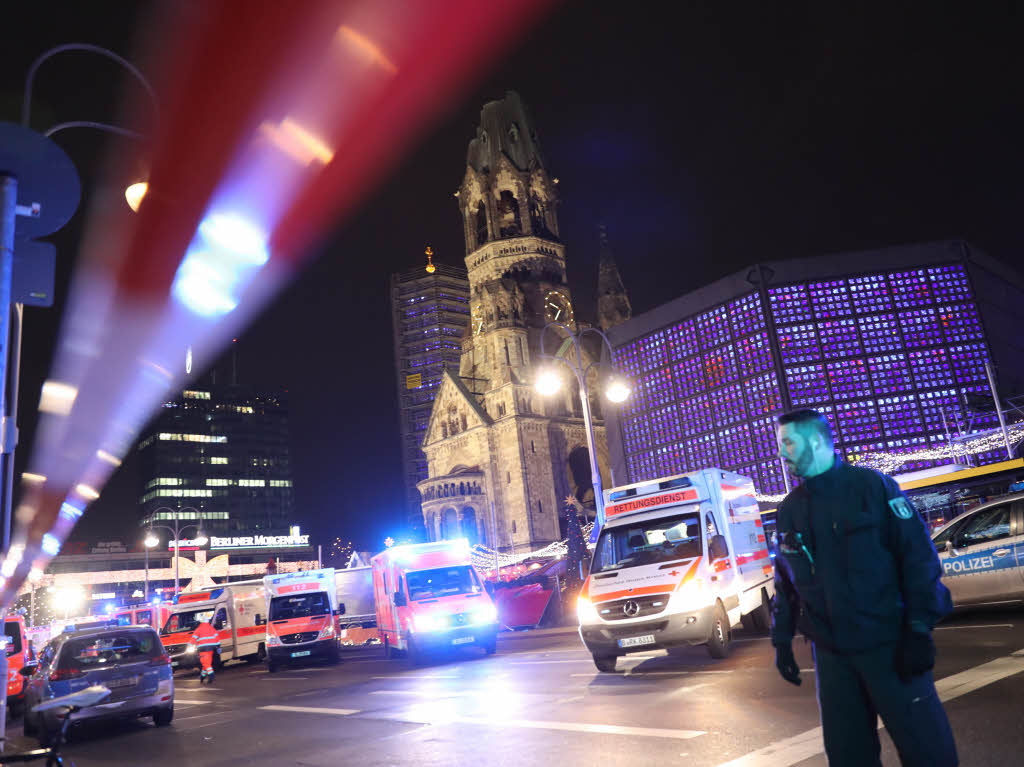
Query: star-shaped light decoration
[{"x": 389, "y": 542}]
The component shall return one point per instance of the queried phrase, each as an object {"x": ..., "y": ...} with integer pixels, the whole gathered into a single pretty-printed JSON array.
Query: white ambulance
[
  {"x": 301, "y": 608},
  {"x": 236, "y": 610},
  {"x": 680, "y": 561}
]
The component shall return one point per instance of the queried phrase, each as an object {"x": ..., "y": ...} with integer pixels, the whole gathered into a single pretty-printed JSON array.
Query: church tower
[
  {"x": 613, "y": 307},
  {"x": 491, "y": 438}
]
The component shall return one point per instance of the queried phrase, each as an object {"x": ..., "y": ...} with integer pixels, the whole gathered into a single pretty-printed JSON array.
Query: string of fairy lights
[
  {"x": 483, "y": 558},
  {"x": 890, "y": 462}
]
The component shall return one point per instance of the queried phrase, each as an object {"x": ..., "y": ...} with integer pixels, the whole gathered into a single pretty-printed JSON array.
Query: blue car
[{"x": 128, "y": 660}]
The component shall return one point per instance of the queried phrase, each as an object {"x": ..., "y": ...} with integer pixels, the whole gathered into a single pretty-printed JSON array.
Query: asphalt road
[{"x": 540, "y": 701}]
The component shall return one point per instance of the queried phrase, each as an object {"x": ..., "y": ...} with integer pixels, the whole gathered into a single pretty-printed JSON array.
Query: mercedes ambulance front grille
[
  {"x": 633, "y": 607},
  {"x": 175, "y": 649},
  {"x": 302, "y": 636}
]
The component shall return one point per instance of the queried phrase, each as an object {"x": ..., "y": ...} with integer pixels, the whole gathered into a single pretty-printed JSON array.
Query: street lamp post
[
  {"x": 616, "y": 390},
  {"x": 176, "y": 531}
]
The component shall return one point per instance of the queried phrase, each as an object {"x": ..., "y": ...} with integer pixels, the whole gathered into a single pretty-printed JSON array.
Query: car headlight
[
  {"x": 428, "y": 622},
  {"x": 585, "y": 611},
  {"x": 689, "y": 596},
  {"x": 273, "y": 640},
  {"x": 484, "y": 615},
  {"x": 190, "y": 649},
  {"x": 327, "y": 631}
]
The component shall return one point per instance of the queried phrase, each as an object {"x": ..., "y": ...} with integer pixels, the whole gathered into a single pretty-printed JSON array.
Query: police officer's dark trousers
[{"x": 853, "y": 689}]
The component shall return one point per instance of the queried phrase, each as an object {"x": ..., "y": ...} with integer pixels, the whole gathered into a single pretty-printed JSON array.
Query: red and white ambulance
[
  {"x": 143, "y": 615},
  {"x": 237, "y": 611},
  {"x": 680, "y": 561},
  {"x": 301, "y": 608},
  {"x": 429, "y": 598}
]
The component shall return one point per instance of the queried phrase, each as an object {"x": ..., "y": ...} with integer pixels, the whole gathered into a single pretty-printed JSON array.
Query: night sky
[{"x": 706, "y": 140}]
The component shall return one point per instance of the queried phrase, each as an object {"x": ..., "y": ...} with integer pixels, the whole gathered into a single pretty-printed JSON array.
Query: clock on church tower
[{"x": 557, "y": 307}]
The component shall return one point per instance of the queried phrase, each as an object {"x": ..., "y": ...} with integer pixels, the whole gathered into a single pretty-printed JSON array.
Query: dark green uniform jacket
[{"x": 854, "y": 563}]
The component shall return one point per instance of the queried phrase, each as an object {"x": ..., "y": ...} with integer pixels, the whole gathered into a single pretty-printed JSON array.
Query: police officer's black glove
[
  {"x": 786, "y": 663},
  {"x": 915, "y": 654}
]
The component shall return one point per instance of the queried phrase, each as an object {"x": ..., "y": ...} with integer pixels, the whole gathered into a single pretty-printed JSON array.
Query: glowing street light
[
  {"x": 68, "y": 598},
  {"x": 151, "y": 539},
  {"x": 134, "y": 194},
  {"x": 616, "y": 390}
]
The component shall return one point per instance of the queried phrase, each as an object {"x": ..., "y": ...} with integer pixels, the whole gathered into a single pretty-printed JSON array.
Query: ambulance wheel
[
  {"x": 416, "y": 657},
  {"x": 271, "y": 667},
  {"x": 163, "y": 716},
  {"x": 334, "y": 656},
  {"x": 762, "y": 616},
  {"x": 389, "y": 651},
  {"x": 218, "y": 664},
  {"x": 605, "y": 662},
  {"x": 718, "y": 642}
]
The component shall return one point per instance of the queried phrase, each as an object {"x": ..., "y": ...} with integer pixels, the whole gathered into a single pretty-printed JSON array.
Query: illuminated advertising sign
[{"x": 246, "y": 542}]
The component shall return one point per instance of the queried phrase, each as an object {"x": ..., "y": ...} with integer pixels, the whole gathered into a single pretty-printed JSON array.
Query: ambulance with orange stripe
[
  {"x": 302, "y": 607},
  {"x": 238, "y": 613},
  {"x": 680, "y": 561}
]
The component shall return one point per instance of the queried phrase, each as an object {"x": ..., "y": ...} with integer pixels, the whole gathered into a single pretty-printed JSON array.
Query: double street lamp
[
  {"x": 151, "y": 539},
  {"x": 616, "y": 390}
]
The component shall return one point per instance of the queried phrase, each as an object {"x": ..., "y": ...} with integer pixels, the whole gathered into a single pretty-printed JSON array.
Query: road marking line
[
  {"x": 312, "y": 710},
  {"x": 402, "y": 678},
  {"x": 807, "y": 744},
  {"x": 984, "y": 626},
  {"x": 285, "y": 678},
  {"x": 192, "y": 702},
  {"x": 602, "y": 729}
]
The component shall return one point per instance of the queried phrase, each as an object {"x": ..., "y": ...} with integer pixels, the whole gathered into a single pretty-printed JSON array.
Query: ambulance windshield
[
  {"x": 442, "y": 582},
  {"x": 299, "y": 606},
  {"x": 648, "y": 542},
  {"x": 187, "y": 621}
]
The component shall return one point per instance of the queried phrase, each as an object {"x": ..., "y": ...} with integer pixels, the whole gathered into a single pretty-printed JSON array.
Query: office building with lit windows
[
  {"x": 430, "y": 313},
  {"x": 219, "y": 453},
  {"x": 889, "y": 344}
]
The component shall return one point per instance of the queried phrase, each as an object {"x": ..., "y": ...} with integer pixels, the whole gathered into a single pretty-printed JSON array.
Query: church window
[
  {"x": 463, "y": 419},
  {"x": 508, "y": 361},
  {"x": 533, "y": 449},
  {"x": 501, "y": 409},
  {"x": 513, "y": 526},
  {"x": 444, "y": 431},
  {"x": 513, "y": 133},
  {"x": 540, "y": 509},
  {"x": 481, "y": 224},
  {"x": 508, "y": 476},
  {"x": 522, "y": 354},
  {"x": 509, "y": 222}
]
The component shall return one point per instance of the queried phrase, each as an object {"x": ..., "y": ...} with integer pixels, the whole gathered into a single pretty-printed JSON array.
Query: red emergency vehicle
[
  {"x": 143, "y": 615},
  {"x": 301, "y": 608},
  {"x": 18, "y": 652},
  {"x": 429, "y": 598}
]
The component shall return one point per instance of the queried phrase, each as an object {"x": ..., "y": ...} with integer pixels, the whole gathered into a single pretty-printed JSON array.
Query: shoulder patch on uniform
[{"x": 901, "y": 508}]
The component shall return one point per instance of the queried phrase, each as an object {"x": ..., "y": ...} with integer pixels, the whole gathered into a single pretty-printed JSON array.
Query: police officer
[{"x": 856, "y": 571}]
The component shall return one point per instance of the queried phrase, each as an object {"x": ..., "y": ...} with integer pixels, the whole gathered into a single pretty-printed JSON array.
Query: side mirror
[
  {"x": 718, "y": 548},
  {"x": 340, "y": 610},
  {"x": 259, "y": 620},
  {"x": 28, "y": 669},
  {"x": 218, "y": 624},
  {"x": 400, "y": 600}
]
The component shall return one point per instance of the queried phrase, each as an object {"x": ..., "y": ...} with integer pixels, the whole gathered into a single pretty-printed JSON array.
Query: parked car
[
  {"x": 982, "y": 553},
  {"x": 128, "y": 660}
]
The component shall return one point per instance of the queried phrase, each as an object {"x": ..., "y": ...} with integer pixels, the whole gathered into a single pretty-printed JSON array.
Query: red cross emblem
[{"x": 674, "y": 573}]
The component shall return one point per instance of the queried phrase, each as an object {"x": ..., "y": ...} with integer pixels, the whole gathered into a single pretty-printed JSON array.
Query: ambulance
[
  {"x": 429, "y": 598},
  {"x": 680, "y": 561},
  {"x": 143, "y": 615},
  {"x": 236, "y": 610},
  {"x": 301, "y": 608},
  {"x": 16, "y": 646}
]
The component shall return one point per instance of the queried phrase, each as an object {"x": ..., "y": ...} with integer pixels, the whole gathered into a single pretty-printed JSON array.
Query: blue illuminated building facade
[
  {"x": 430, "y": 314},
  {"x": 886, "y": 343}
]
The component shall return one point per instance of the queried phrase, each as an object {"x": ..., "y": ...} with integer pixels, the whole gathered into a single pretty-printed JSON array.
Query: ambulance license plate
[
  {"x": 301, "y": 653},
  {"x": 462, "y": 640},
  {"x": 174, "y": 664},
  {"x": 636, "y": 641}
]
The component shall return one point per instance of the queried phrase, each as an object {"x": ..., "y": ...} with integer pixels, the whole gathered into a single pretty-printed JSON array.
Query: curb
[{"x": 527, "y": 633}]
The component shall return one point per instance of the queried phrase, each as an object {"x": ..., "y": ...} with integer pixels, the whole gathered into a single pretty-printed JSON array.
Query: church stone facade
[{"x": 501, "y": 458}]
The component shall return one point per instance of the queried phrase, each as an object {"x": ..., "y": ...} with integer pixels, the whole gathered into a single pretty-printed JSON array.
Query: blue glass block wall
[{"x": 885, "y": 356}]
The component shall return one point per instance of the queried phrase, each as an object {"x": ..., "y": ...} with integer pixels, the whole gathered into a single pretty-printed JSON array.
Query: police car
[{"x": 982, "y": 553}]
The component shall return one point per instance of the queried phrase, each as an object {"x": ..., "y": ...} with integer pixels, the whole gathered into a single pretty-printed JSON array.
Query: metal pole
[
  {"x": 176, "y": 556},
  {"x": 145, "y": 592},
  {"x": 999, "y": 409},
  {"x": 494, "y": 541},
  {"x": 8, "y": 434},
  {"x": 595, "y": 474},
  {"x": 319, "y": 556}
]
